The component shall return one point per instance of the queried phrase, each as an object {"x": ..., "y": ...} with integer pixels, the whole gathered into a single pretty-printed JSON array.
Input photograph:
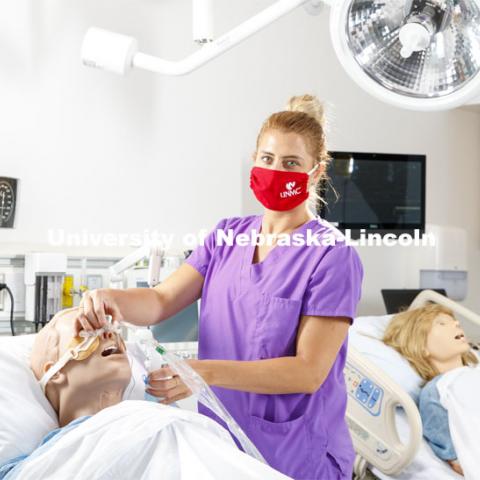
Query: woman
[
  {"x": 431, "y": 339},
  {"x": 274, "y": 318}
]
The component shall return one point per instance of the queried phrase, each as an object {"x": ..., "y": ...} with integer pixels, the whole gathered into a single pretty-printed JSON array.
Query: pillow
[
  {"x": 365, "y": 336},
  {"x": 372, "y": 326},
  {"x": 26, "y": 415}
]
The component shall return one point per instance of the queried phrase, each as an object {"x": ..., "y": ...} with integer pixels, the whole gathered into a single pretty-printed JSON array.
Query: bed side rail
[
  {"x": 426, "y": 296},
  {"x": 372, "y": 400}
]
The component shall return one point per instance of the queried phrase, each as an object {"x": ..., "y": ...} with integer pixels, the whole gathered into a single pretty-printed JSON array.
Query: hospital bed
[
  {"x": 382, "y": 415},
  {"x": 382, "y": 388},
  {"x": 133, "y": 439}
]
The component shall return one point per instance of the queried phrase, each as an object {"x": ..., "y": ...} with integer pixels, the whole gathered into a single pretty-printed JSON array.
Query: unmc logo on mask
[{"x": 290, "y": 191}]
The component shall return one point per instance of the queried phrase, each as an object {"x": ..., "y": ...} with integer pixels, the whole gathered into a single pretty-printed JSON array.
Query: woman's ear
[
  {"x": 254, "y": 156},
  {"x": 317, "y": 174}
]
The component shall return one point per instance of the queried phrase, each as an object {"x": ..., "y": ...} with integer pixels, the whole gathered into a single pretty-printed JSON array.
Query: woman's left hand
[{"x": 166, "y": 384}]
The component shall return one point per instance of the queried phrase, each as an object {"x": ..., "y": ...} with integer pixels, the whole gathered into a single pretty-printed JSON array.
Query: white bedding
[
  {"x": 425, "y": 466},
  {"x": 143, "y": 440},
  {"x": 459, "y": 390}
]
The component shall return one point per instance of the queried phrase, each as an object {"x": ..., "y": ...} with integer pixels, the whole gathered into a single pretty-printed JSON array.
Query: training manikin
[
  {"x": 92, "y": 381},
  {"x": 145, "y": 435},
  {"x": 433, "y": 341}
]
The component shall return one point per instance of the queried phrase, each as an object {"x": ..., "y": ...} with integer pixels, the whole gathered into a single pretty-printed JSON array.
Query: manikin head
[
  {"x": 431, "y": 339},
  {"x": 81, "y": 387}
]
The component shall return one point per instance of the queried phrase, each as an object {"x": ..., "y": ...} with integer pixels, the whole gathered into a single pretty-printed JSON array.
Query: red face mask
[{"x": 279, "y": 190}]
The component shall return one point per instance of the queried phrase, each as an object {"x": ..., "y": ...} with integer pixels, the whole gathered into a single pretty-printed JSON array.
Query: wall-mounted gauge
[{"x": 8, "y": 201}]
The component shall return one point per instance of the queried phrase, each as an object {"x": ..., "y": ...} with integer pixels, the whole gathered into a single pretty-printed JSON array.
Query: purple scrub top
[{"x": 252, "y": 312}]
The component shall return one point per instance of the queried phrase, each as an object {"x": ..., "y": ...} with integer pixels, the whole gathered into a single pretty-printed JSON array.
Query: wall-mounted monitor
[{"x": 378, "y": 192}]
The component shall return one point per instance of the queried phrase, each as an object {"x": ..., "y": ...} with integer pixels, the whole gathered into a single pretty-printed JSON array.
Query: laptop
[{"x": 396, "y": 300}]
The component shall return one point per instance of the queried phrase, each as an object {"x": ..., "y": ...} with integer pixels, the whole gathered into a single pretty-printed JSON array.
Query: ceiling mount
[{"x": 414, "y": 54}]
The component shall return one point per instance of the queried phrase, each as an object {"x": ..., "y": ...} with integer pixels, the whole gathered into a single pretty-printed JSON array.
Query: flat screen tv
[{"x": 377, "y": 192}]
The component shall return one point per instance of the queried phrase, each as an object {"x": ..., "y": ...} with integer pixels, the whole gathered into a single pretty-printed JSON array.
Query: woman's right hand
[{"x": 94, "y": 307}]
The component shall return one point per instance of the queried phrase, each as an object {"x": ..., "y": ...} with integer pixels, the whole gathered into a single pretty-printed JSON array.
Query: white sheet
[
  {"x": 144, "y": 440},
  {"x": 459, "y": 392},
  {"x": 425, "y": 466}
]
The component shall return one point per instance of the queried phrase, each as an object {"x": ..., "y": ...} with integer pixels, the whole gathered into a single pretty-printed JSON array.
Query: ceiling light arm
[
  {"x": 119, "y": 53},
  {"x": 221, "y": 45}
]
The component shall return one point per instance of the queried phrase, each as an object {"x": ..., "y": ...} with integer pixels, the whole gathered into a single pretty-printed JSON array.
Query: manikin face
[
  {"x": 446, "y": 339},
  {"x": 106, "y": 369},
  {"x": 283, "y": 151}
]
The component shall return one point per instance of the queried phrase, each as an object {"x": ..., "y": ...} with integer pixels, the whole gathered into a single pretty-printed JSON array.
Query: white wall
[{"x": 109, "y": 154}]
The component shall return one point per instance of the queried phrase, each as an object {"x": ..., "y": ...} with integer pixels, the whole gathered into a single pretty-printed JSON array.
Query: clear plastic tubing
[{"x": 205, "y": 394}]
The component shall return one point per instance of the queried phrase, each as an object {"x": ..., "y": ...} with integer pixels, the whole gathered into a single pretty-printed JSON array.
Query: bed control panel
[{"x": 366, "y": 392}]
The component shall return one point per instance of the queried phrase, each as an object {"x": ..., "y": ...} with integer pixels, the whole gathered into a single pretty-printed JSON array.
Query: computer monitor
[
  {"x": 400, "y": 299},
  {"x": 378, "y": 193}
]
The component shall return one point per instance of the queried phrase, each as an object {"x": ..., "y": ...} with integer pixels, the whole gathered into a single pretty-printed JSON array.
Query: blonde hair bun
[{"x": 308, "y": 104}]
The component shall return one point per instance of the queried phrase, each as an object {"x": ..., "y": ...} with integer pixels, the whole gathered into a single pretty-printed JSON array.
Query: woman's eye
[
  {"x": 292, "y": 163},
  {"x": 265, "y": 159}
]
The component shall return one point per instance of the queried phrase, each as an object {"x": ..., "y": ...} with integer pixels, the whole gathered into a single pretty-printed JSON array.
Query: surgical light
[{"x": 416, "y": 54}]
